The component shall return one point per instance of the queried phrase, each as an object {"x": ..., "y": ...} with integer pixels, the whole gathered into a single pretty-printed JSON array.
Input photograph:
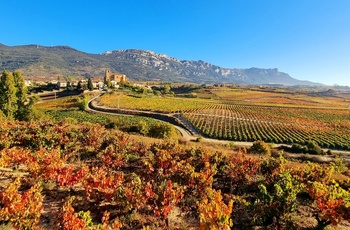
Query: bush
[
  {"x": 83, "y": 102},
  {"x": 338, "y": 165},
  {"x": 297, "y": 148},
  {"x": 213, "y": 212},
  {"x": 261, "y": 147},
  {"x": 332, "y": 204},
  {"x": 314, "y": 148},
  {"x": 311, "y": 148},
  {"x": 280, "y": 202},
  {"x": 143, "y": 127},
  {"x": 162, "y": 130}
]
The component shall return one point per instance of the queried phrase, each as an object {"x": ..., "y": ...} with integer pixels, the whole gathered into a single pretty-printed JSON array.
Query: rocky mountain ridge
[{"x": 142, "y": 65}]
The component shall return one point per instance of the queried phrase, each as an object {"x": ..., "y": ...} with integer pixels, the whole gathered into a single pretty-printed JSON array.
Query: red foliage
[{"x": 22, "y": 209}]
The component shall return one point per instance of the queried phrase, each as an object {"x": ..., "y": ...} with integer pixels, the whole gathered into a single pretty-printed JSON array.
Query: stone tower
[
  {"x": 107, "y": 74},
  {"x": 118, "y": 77}
]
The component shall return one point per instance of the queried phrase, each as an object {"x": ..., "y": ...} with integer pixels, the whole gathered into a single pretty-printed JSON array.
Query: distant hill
[{"x": 52, "y": 62}]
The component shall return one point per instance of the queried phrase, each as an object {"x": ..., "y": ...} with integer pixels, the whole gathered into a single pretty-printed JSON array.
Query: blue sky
[{"x": 308, "y": 39}]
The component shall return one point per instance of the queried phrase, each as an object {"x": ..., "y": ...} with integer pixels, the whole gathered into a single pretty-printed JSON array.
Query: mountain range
[{"x": 44, "y": 62}]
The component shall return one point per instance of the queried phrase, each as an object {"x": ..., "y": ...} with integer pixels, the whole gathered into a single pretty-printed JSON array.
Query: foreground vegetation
[{"x": 69, "y": 176}]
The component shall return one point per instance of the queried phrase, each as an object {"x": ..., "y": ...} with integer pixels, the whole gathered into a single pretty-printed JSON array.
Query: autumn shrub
[
  {"x": 261, "y": 147},
  {"x": 213, "y": 212},
  {"x": 332, "y": 203},
  {"x": 277, "y": 203},
  {"x": 311, "y": 172},
  {"x": 338, "y": 165},
  {"x": 237, "y": 172},
  {"x": 21, "y": 209}
]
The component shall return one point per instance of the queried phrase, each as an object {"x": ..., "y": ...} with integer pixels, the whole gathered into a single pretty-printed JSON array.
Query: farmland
[
  {"x": 71, "y": 169},
  {"x": 66, "y": 110},
  {"x": 243, "y": 114}
]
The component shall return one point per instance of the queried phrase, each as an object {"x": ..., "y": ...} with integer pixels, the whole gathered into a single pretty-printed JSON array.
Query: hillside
[{"x": 60, "y": 61}]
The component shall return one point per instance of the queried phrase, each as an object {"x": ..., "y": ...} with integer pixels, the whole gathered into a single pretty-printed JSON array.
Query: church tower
[{"x": 107, "y": 75}]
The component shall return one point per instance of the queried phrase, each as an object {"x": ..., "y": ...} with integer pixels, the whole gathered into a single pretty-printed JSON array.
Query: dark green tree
[
  {"x": 8, "y": 95},
  {"x": 14, "y": 101},
  {"x": 21, "y": 95},
  {"x": 79, "y": 86},
  {"x": 90, "y": 85}
]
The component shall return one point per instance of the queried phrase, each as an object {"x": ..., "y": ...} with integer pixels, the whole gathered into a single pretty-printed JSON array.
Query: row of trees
[
  {"x": 88, "y": 86},
  {"x": 14, "y": 101}
]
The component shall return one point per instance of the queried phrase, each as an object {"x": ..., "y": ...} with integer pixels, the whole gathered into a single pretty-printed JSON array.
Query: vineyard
[
  {"x": 280, "y": 97},
  {"x": 66, "y": 110},
  {"x": 272, "y": 124},
  {"x": 85, "y": 176},
  {"x": 252, "y": 115},
  {"x": 156, "y": 104},
  {"x": 71, "y": 169}
]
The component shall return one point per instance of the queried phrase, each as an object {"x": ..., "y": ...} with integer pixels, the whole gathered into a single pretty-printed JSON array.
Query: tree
[
  {"x": 21, "y": 94},
  {"x": 8, "y": 97},
  {"x": 14, "y": 101},
  {"x": 70, "y": 80},
  {"x": 30, "y": 111},
  {"x": 90, "y": 85},
  {"x": 2, "y": 116},
  {"x": 79, "y": 86}
]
